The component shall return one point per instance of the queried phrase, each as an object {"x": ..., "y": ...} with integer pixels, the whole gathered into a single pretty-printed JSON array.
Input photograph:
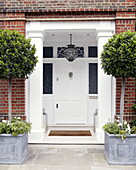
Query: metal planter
[
  {"x": 13, "y": 149},
  {"x": 120, "y": 152}
]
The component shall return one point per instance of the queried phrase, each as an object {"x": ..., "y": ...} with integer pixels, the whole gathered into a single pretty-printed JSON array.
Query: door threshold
[
  {"x": 72, "y": 144},
  {"x": 68, "y": 140}
]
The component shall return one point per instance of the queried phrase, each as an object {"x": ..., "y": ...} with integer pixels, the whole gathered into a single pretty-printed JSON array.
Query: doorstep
[{"x": 68, "y": 140}]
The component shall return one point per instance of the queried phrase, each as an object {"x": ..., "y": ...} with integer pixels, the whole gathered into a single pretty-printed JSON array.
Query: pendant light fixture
[{"x": 70, "y": 52}]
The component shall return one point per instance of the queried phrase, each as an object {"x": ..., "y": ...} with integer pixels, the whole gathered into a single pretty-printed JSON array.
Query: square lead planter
[
  {"x": 13, "y": 149},
  {"x": 120, "y": 152}
]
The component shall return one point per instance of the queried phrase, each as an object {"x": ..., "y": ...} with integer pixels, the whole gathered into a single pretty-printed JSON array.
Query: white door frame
[{"x": 37, "y": 32}]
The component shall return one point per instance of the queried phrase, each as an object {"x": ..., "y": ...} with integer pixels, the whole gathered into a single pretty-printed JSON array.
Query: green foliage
[
  {"x": 111, "y": 128},
  {"x": 133, "y": 130},
  {"x": 133, "y": 122},
  {"x": 134, "y": 106},
  {"x": 119, "y": 55},
  {"x": 16, "y": 127},
  {"x": 4, "y": 127},
  {"x": 122, "y": 134},
  {"x": 17, "y": 55},
  {"x": 121, "y": 130}
]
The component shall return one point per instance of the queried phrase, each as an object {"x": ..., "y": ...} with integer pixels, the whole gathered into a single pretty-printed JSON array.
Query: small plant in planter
[
  {"x": 120, "y": 143},
  {"x": 14, "y": 141},
  {"x": 17, "y": 60},
  {"x": 119, "y": 130},
  {"x": 119, "y": 60},
  {"x": 15, "y": 127}
]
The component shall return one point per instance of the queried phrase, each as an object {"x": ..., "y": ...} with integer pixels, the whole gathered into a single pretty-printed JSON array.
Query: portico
[{"x": 75, "y": 90}]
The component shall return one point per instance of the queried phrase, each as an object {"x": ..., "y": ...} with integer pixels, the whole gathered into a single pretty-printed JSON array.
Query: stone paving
[{"x": 66, "y": 157}]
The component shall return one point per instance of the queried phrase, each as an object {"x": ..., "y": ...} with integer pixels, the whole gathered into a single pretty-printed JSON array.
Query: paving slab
[{"x": 66, "y": 157}]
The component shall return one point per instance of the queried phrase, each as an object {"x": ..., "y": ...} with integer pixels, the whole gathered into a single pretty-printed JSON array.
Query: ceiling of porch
[{"x": 62, "y": 37}]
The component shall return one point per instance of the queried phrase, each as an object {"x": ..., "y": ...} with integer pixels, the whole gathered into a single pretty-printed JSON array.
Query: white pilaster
[
  {"x": 104, "y": 89},
  {"x": 35, "y": 94}
]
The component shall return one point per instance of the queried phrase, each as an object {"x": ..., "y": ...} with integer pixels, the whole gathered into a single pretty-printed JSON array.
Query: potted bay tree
[
  {"x": 17, "y": 60},
  {"x": 119, "y": 60}
]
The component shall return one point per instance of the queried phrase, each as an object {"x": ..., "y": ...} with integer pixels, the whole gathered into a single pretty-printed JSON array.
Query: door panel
[{"x": 70, "y": 92}]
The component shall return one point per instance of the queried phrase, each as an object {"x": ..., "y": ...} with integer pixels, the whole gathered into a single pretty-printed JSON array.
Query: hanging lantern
[{"x": 70, "y": 52}]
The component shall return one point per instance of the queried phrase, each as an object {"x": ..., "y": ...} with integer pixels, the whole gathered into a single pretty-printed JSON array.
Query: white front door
[{"x": 70, "y": 93}]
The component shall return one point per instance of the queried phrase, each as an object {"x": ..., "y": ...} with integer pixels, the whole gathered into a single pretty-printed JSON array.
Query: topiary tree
[
  {"x": 119, "y": 60},
  {"x": 17, "y": 59}
]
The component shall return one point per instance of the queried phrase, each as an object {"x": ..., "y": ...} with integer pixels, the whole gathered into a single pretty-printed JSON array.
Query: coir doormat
[{"x": 70, "y": 133}]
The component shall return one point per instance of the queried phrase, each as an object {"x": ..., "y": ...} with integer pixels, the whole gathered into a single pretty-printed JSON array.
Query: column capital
[
  {"x": 104, "y": 33},
  {"x": 35, "y": 34}
]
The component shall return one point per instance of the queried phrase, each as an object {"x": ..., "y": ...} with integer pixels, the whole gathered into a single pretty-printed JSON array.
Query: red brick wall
[
  {"x": 83, "y": 14},
  {"x": 3, "y": 97},
  {"x": 130, "y": 86},
  {"x": 18, "y": 85},
  {"x": 18, "y": 97},
  {"x": 69, "y": 9},
  {"x": 130, "y": 98},
  {"x": 18, "y": 25},
  {"x": 125, "y": 24},
  {"x": 66, "y": 5},
  {"x": 1, "y": 24}
]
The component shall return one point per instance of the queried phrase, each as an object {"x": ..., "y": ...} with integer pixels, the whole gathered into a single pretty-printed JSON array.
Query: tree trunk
[
  {"x": 122, "y": 101},
  {"x": 9, "y": 99}
]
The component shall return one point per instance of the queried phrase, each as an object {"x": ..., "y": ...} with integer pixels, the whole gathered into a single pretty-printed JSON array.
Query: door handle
[{"x": 57, "y": 106}]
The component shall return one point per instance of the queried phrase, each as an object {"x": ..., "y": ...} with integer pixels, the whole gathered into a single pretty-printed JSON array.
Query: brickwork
[
  {"x": 67, "y": 15},
  {"x": 18, "y": 25},
  {"x": 130, "y": 86},
  {"x": 3, "y": 97},
  {"x": 14, "y": 14},
  {"x": 66, "y": 5},
  {"x": 125, "y": 24},
  {"x": 18, "y": 97},
  {"x": 130, "y": 98},
  {"x": 1, "y": 24},
  {"x": 15, "y": 25}
]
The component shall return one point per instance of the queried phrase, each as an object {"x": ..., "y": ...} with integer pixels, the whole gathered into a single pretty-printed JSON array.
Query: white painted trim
[
  {"x": 52, "y": 60},
  {"x": 36, "y": 34},
  {"x": 12, "y": 19},
  {"x": 125, "y": 18},
  {"x": 104, "y": 33},
  {"x": 34, "y": 86},
  {"x": 79, "y": 25},
  {"x": 105, "y": 93},
  {"x": 36, "y": 135},
  {"x": 57, "y": 19},
  {"x": 79, "y": 19}
]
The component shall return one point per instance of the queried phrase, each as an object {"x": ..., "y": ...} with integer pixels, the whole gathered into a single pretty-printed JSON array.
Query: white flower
[
  {"x": 117, "y": 120},
  {"x": 128, "y": 128},
  {"x": 4, "y": 121},
  {"x": 125, "y": 123},
  {"x": 120, "y": 124},
  {"x": 19, "y": 118},
  {"x": 8, "y": 122}
]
